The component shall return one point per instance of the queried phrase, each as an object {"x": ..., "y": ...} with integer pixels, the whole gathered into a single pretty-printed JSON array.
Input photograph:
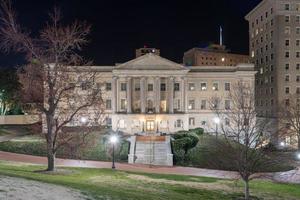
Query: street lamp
[
  {"x": 83, "y": 120},
  {"x": 113, "y": 140},
  {"x": 282, "y": 144},
  {"x": 217, "y": 122},
  {"x": 298, "y": 155}
]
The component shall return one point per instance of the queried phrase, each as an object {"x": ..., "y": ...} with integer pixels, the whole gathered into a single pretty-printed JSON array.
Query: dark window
[
  {"x": 176, "y": 87},
  {"x": 123, "y": 86},
  {"x": 108, "y": 86},
  {"x": 162, "y": 87},
  {"x": 150, "y": 87}
]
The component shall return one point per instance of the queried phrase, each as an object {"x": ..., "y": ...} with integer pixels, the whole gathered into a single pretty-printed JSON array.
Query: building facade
[
  {"x": 153, "y": 95},
  {"x": 213, "y": 55},
  {"x": 274, "y": 32}
]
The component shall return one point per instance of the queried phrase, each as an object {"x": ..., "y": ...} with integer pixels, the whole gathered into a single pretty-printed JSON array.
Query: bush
[
  {"x": 206, "y": 155},
  {"x": 182, "y": 143},
  {"x": 270, "y": 147},
  {"x": 198, "y": 131},
  {"x": 99, "y": 151}
]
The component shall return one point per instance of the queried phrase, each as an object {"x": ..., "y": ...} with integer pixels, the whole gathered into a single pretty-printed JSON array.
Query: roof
[
  {"x": 150, "y": 61},
  {"x": 255, "y": 9}
]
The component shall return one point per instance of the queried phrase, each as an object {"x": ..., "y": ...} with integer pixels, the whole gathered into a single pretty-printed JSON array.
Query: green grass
[
  {"x": 109, "y": 184},
  {"x": 3, "y": 132}
]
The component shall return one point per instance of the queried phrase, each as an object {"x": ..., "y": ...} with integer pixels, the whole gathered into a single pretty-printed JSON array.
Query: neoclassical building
[{"x": 151, "y": 94}]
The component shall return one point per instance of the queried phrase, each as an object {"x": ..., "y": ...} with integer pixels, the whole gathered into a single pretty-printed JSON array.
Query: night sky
[{"x": 119, "y": 27}]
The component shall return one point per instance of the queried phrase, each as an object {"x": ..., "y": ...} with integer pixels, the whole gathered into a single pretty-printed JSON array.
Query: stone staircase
[{"x": 151, "y": 150}]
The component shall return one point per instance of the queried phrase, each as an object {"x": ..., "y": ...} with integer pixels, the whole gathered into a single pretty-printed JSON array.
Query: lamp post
[
  {"x": 217, "y": 122},
  {"x": 113, "y": 140}
]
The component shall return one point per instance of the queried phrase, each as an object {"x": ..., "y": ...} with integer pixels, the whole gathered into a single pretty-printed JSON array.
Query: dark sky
[{"x": 119, "y": 27}]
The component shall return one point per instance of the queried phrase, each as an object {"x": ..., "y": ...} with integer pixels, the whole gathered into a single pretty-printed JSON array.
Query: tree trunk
[
  {"x": 298, "y": 141},
  {"x": 51, "y": 161},
  {"x": 246, "y": 190},
  {"x": 50, "y": 148}
]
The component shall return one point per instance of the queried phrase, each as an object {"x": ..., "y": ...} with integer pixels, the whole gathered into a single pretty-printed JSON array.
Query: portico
[{"x": 148, "y": 91}]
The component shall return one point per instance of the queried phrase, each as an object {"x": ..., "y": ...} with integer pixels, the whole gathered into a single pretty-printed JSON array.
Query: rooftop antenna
[{"x": 221, "y": 36}]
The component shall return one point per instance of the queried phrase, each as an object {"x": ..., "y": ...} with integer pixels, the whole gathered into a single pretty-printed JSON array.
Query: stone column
[
  {"x": 171, "y": 95},
  {"x": 183, "y": 94},
  {"x": 114, "y": 94},
  {"x": 129, "y": 95},
  {"x": 143, "y": 94},
  {"x": 157, "y": 94}
]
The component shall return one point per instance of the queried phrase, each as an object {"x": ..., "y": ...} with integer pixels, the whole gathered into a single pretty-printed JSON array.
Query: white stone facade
[{"x": 151, "y": 94}]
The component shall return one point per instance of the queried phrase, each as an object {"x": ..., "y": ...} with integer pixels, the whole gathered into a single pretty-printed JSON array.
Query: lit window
[
  {"x": 252, "y": 54},
  {"x": 192, "y": 87},
  {"x": 223, "y": 59},
  {"x": 191, "y": 104},
  {"x": 203, "y": 87},
  {"x": 215, "y": 87},
  {"x": 287, "y": 30},
  {"x": 297, "y": 7}
]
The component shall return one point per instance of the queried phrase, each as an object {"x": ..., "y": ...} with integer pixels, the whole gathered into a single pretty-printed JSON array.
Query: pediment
[{"x": 150, "y": 61}]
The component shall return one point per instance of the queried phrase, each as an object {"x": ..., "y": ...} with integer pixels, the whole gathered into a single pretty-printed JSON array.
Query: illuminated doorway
[{"x": 150, "y": 125}]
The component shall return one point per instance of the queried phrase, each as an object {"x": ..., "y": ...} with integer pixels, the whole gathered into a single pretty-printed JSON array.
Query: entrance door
[{"x": 150, "y": 125}]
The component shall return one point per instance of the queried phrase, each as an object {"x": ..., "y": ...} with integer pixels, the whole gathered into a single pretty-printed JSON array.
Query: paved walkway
[
  {"x": 121, "y": 166},
  {"x": 292, "y": 176}
]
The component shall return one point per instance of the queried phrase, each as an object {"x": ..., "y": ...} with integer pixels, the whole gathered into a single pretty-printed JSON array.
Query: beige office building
[
  {"x": 151, "y": 94},
  {"x": 213, "y": 55},
  {"x": 274, "y": 31}
]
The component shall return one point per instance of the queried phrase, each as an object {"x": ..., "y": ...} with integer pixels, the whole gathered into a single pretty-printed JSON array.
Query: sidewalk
[{"x": 120, "y": 166}]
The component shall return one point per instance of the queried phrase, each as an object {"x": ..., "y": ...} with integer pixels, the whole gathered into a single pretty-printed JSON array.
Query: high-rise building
[
  {"x": 213, "y": 55},
  {"x": 274, "y": 31}
]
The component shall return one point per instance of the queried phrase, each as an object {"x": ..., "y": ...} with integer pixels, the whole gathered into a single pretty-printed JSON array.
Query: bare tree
[
  {"x": 241, "y": 134},
  {"x": 289, "y": 119},
  {"x": 68, "y": 91}
]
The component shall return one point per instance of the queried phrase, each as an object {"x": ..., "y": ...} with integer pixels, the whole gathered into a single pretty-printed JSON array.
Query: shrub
[
  {"x": 198, "y": 131},
  {"x": 182, "y": 143}
]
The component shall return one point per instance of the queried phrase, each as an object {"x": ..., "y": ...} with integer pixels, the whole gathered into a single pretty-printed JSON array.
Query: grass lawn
[
  {"x": 109, "y": 184},
  {"x": 3, "y": 132}
]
